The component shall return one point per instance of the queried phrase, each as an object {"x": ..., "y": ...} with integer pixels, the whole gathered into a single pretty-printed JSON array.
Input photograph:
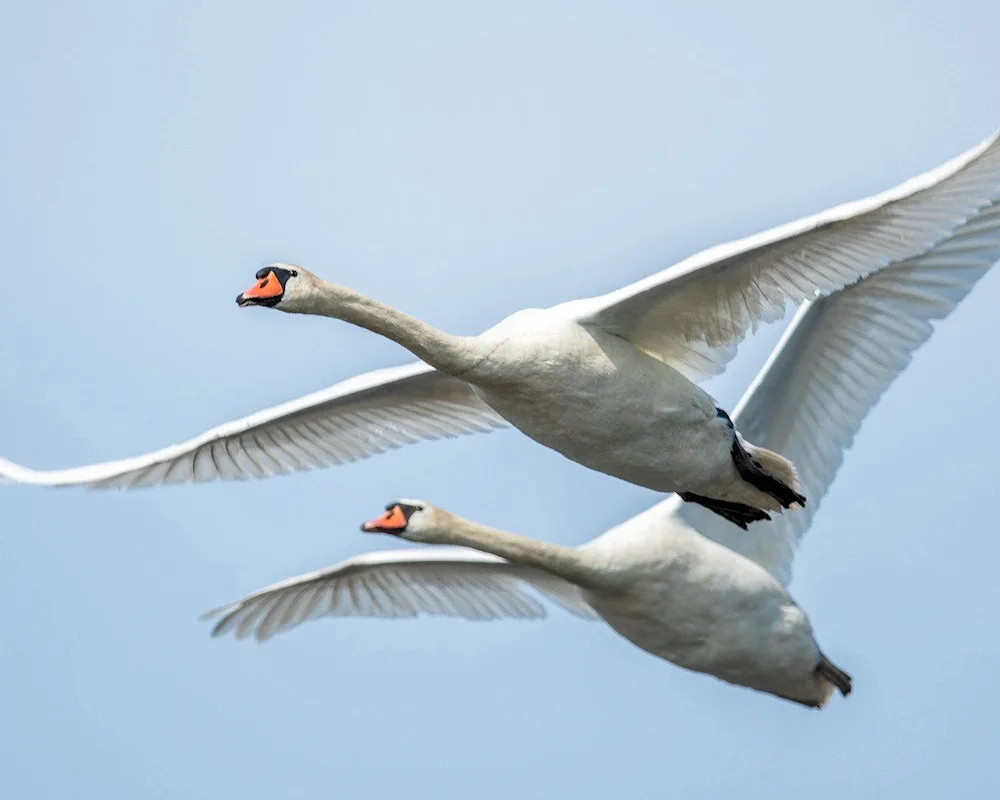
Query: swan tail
[
  {"x": 740, "y": 514},
  {"x": 834, "y": 676},
  {"x": 827, "y": 678},
  {"x": 770, "y": 472},
  {"x": 765, "y": 470}
]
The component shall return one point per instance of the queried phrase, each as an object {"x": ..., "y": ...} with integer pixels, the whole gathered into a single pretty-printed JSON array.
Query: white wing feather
[
  {"x": 838, "y": 356},
  {"x": 353, "y": 419},
  {"x": 442, "y": 581},
  {"x": 714, "y": 298}
]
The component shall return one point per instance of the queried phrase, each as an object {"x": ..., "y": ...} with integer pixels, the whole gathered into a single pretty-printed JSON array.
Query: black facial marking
[
  {"x": 281, "y": 274},
  {"x": 408, "y": 510}
]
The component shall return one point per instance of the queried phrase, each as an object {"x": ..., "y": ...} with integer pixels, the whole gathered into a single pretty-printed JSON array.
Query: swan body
[
  {"x": 596, "y": 399},
  {"x": 608, "y": 381},
  {"x": 687, "y": 599},
  {"x": 676, "y": 580},
  {"x": 577, "y": 388}
]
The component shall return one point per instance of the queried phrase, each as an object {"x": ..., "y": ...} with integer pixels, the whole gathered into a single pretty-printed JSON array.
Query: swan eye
[{"x": 294, "y": 273}]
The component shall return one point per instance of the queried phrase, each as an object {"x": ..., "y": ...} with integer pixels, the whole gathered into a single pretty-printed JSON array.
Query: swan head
[
  {"x": 414, "y": 520},
  {"x": 286, "y": 287}
]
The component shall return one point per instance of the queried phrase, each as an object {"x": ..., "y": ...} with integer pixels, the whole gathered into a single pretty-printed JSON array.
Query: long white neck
[
  {"x": 444, "y": 351},
  {"x": 566, "y": 562}
]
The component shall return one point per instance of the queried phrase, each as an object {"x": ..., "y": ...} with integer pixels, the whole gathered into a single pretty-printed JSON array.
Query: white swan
[
  {"x": 670, "y": 591},
  {"x": 675, "y": 580},
  {"x": 606, "y": 381}
]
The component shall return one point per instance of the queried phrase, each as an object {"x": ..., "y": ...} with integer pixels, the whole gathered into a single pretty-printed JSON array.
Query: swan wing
[
  {"x": 839, "y": 355},
  {"x": 442, "y": 581},
  {"x": 693, "y": 314},
  {"x": 351, "y": 420}
]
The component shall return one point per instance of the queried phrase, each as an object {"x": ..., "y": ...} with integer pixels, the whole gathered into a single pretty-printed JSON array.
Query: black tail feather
[{"x": 739, "y": 514}]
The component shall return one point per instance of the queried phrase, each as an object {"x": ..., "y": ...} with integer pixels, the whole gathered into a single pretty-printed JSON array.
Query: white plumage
[
  {"x": 606, "y": 381},
  {"x": 354, "y": 419},
  {"x": 676, "y": 580},
  {"x": 445, "y": 581}
]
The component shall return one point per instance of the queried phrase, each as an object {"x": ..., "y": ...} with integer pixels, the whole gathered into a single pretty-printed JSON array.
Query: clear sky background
[{"x": 459, "y": 162}]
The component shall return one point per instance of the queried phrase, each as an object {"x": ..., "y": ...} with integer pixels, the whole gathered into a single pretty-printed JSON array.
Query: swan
[
  {"x": 579, "y": 389},
  {"x": 676, "y": 580},
  {"x": 609, "y": 381},
  {"x": 671, "y": 592}
]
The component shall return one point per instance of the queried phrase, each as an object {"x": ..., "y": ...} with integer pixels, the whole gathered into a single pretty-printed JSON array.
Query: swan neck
[
  {"x": 444, "y": 351},
  {"x": 565, "y": 562}
]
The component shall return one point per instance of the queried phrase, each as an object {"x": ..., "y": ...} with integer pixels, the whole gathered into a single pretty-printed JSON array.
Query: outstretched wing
[
  {"x": 353, "y": 419},
  {"x": 714, "y": 298},
  {"x": 837, "y": 358},
  {"x": 444, "y": 581}
]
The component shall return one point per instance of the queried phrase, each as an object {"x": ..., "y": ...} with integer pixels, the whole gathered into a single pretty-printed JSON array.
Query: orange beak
[
  {"x": 265, "y": 289},
  {"x": 392, "y": 521}
]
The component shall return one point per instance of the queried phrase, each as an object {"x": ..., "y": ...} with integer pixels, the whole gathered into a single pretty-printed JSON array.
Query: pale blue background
[{"x": 459, "y": 162}]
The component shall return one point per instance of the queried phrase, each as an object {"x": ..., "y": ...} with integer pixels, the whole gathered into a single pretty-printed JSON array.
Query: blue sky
[{"x": 459, "y": 162}]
